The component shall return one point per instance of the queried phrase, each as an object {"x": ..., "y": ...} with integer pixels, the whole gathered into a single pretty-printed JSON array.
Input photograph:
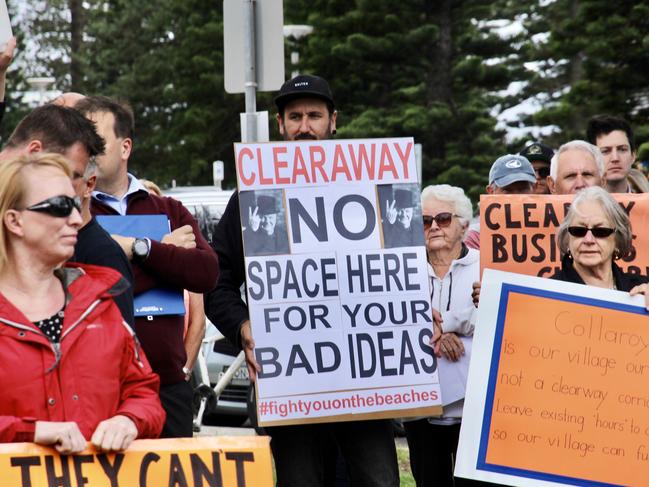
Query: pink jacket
[{"x": 95, "y": 372}]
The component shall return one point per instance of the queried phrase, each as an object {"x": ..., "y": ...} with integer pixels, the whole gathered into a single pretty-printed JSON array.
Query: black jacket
[
  {"x": 623, "y": 281},
  {"x": 223, "y": 305},
  {"x": 96, "y": 246}
]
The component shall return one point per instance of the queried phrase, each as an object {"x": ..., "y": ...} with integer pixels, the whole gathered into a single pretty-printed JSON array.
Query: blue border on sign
[{"x": 506, "y": 289}]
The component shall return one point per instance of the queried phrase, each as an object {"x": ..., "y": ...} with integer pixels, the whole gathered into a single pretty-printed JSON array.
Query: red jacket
[{"x": 95, "y": 372}]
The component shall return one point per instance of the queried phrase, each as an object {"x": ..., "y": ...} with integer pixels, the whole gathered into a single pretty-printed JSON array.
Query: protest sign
[
  {"x": 518, "y": 232},
  {"x": 337, "y": 281},
  {"x": 236, "y": 461},
  {"x": 5, "y": 25},
  {"x": 556, "y": 393}
]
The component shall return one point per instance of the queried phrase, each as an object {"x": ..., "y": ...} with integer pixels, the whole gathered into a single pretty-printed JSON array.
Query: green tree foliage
[
  {"x": 437, "y": 70},
  {"x": 417, "y": 70},
  {"x": 594, "y": 61},
  {"x": 166, "y": 58}
]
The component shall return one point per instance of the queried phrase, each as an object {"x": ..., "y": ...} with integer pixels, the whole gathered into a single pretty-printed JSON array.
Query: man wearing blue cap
[{"x": 510, "y": 174}]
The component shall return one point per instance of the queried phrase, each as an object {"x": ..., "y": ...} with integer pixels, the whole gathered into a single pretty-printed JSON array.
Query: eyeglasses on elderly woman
[
  {"x": 443, "y": 219},
  {"x": 57, "y": 206}
]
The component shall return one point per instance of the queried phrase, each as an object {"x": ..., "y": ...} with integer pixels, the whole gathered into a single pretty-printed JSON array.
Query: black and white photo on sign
[
  {"x": 263, "y": 219},
  {"x": 401, "y": 219}
]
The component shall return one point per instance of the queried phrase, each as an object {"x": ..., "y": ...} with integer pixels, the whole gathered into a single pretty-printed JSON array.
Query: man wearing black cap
[
  {"x": 302, "y": 453},
  {"x": 306, "y": 109},
  {"x": 509, "y": 174},
  {"x": 262, "y": 236},
  {"x": 539, "y": 156}
]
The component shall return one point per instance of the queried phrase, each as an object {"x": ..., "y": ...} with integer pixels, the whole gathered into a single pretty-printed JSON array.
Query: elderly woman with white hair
[
  {"x": 452, "y": 268},
  {"x": 595, "y": 232}
]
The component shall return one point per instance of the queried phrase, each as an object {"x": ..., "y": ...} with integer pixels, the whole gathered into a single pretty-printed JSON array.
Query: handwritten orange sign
[
  {"x": 557, "y": 389},
  {"x": 222, "y": 461},
  {"x": 518, "y": 232}
]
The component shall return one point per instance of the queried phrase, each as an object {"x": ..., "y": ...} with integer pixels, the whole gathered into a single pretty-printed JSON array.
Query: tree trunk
[
  {"x": 575, "y": 73},
  {"x": 438, "y": 12},
  {"x": 76, "y": 39}
]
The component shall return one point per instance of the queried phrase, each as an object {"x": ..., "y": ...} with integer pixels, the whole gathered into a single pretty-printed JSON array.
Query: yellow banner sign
[
  {"x": 195, "y": 462},
  {"x": 518, "y": 232}
]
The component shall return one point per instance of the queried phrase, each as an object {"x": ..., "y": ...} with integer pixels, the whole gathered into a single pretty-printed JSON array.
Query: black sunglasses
[
  {"x": 59, "y": 206},
  {"x": 443, "y": 219},
  {"x": 598, "y": 232},
  {"x": 543, "y": 172}
]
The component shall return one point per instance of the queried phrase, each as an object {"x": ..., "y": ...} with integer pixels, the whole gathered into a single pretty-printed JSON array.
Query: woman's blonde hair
[
  {"x": 13, "y": 188},
  {"x": 151, "y": 187}
]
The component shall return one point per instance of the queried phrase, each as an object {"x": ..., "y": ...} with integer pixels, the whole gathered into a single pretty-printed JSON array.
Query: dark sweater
[
  {"x": 194, "y": 269},
  {"x": 623, "y": 281},
  {"x": 224, "y": 306},
  {"x": 95, "y": 246}
]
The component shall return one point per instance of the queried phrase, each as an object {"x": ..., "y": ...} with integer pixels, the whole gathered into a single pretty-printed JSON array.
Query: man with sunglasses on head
[
  {"x": 302, "y": 453},
  {"x": 509, "y": 174},
  {"x": 539, "y": 156},
  {"x": 53, "y": 128},
  {"x": 181, "y": 260}
]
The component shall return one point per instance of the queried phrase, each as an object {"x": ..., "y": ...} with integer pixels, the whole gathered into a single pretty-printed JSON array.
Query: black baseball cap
[
  {"x": 537, "y": 152},
  {"x": 303, "y": 86}
]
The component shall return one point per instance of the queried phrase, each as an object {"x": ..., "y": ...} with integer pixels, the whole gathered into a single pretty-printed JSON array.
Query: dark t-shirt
[{"x": 95, "y": 246}]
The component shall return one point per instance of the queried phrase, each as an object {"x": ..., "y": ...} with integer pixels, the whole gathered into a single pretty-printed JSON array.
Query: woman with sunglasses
[
  {"x": 595, "y": 232},
  {"x": 70, "y": 370},
  {"x": 452, "y": 269}
]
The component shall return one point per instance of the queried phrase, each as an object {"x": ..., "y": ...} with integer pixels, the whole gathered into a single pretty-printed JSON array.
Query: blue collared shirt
[{"x": 120, "y": 204}]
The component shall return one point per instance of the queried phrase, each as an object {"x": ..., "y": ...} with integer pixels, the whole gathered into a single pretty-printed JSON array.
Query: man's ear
[
  {"x": 34, "y": 146},
  {"x": 91, "y": 184},
  {"x": 551, "y": 185},
  {"x": 280, "y": 124},
  {"x": 13, "y": 222},
  {"x": 332, "y": 122},
  {"x": 490, "y": 189},
  {"x": 127, "y": 146}
]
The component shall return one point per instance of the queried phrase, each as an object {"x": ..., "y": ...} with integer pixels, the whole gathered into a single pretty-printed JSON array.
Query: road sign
[{"x": 269, "y": 44}]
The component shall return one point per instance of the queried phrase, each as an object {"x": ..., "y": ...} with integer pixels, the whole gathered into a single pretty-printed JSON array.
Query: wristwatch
[{"x": 141, "y": 248}]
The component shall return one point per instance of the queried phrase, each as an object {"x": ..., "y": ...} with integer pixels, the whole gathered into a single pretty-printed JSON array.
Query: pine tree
[
  {"x": 594, "y": 61},
  {"x": 417, "y": 71}
]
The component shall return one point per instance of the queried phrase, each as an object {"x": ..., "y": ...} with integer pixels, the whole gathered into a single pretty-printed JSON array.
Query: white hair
[
  {"x": 453, "y": 195},
  {"x": 581, "y": 145}
]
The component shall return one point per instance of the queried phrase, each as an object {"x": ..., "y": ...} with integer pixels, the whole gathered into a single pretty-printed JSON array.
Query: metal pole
[{"x": 251, "y": 70}]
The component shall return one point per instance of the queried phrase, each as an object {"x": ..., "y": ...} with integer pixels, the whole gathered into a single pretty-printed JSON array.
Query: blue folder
[{"x": 156, "y": 301}]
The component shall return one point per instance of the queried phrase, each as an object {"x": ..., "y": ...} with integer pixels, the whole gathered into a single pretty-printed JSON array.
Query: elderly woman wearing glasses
[
  {"x": 452, "y": 268},
  {"x": 594, "y": 233},
  {"x": 70, "y": 370}
]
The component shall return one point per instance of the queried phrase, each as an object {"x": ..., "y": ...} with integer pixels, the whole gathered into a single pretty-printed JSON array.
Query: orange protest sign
[
  {"x": 518, "y": 232},
  {"x": 222, "y": 461},
  {"x": 566, "y": 398}
]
